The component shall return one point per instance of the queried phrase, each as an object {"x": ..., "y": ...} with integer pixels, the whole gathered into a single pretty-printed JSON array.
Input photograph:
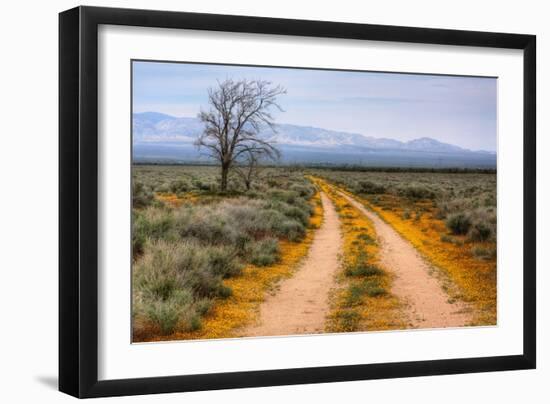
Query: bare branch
[{"x": 238, "y": 112}]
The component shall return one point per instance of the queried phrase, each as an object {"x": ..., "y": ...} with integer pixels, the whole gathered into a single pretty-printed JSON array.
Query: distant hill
[{"x": 159, "y": 137}]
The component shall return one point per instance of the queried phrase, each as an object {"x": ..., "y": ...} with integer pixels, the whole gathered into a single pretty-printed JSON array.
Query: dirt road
[
  {"x": 428, "y": 305},
  {"x": 301, "y": 303}
]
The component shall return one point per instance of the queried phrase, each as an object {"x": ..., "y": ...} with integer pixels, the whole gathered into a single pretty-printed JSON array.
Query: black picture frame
[{"x": 78, "y": 201}]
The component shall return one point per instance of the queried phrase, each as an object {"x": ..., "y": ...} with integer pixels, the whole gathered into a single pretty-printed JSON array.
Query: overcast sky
[{"x": 457, "y": 110}]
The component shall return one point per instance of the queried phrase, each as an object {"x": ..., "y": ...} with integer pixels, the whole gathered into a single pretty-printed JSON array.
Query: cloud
[{"x": 460, "y": 110}]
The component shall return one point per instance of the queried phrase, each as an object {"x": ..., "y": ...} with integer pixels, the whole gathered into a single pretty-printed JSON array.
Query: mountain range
[{"x": 158, "y": 137}]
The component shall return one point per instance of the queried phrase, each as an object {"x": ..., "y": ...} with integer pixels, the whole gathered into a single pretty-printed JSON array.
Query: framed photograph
[{"x": 251, "y": 201}]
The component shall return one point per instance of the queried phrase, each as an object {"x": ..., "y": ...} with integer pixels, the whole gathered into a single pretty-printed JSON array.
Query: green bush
[
  {"x": 205, "y": 185},
  {"x": 294, "y": 212},
  {"x": 224, "y": 291},
  {"x": 479, "y": 232},
  {"x": 369, "y": 187},
  {"x": 416, "y": 192},
  {"x": 180, "y": 186},
  {"x": 167, "y": 313},
  {"x": 303, "y": 190},
  {"x": 264, "y": 252},
  {"x": 484, "y": 253},
  {"x": 183, "y": 254},
  {"x": 290, "y": 229},
  {"x": 142, "y": 196},
  {"x": 286, "y": 196},
  {"x": 175, "y": 281},
  {"x": 458, "y": 223},
  {"x": 209, "y": 224},
  {"x": 222, "y": 261}
]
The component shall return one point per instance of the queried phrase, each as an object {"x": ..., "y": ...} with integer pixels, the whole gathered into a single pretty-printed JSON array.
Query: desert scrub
[
  {"x": 172, "y": 284},
  {"x": 416, "y": 192},
  {"x": 451, "y": 230},
  {"x": 458, "y": 223},
  {"x": 362, "y": 301},
  {"x": 228, "y": 316},
  {"x": 187, "y": 254},
  {"x": 142, "y": 195},
  {"x": 472, "y": 273},
  {"x": 445, "y": 193},
  {"x": 484, "y": 253},
  {"x": 264, "y": 252}
]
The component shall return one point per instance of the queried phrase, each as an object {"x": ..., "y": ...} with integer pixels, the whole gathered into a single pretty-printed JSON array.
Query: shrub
[
  {"x": 282, "y": 195},
  {"x": 264, "y": 252},
  {"x": 237, "y": 222},
  {"x": 182, "y": 254},
  {"x": 305, "y": 191},
  {"x": 479, "y": 232},
  {"x": 224, "y": 291},
  {"x": 138, "y": 243},
  {"x": 142, "y": 196},
  {"x": 222, "y": 261},
  {"x": 484, "y": 253},
  {"x": 300, "y": 215},
  {"x": 209, "y": 224},
  {"x": 163, "y": 188},
  {"x": 290, "y": 229},
  {"x": 416, "y": 192},
  {"x": 166, "y": 314},
  {"x": 249, "y": 215},
  {"x": 175, "y": 281},
  {"x": 368, "y": 187},
  {"x": 149, "y": 224},
  {"x": 195, "y": 323},
  {"x": 458, "y": 223},
  {"x": 138, "y": 235},
  {"x": 180, "y": 186},
  {"x": 205, "y": 185}
]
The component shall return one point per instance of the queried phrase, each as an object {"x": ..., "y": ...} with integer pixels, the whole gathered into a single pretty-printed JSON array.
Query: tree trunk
[{"x": 225, "y": 172}]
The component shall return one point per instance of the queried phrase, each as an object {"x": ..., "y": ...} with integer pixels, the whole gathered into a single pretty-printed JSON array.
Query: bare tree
[
  {"x": 238, "y": 111},
  {"x": 250, "y": 168}
]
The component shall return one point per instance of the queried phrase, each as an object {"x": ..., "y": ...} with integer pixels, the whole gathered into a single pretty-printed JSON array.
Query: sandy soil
[
  {"x": 428, "y": 305},
  {"x": 301, "y": 303}
]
